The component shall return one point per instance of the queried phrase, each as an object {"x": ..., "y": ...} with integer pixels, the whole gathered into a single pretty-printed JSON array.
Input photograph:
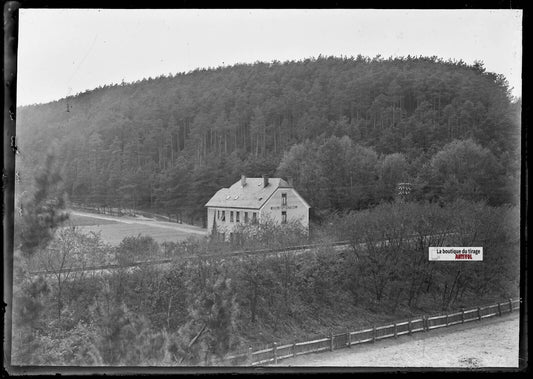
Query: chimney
[
  {"x": 243, "y": 180},
  {"x": 289, "y": 180},
  {"x": 265, "y": 180}
]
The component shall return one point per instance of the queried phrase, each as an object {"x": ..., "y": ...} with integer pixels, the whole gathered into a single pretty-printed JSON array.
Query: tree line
[{"x": 171, "y": 142}]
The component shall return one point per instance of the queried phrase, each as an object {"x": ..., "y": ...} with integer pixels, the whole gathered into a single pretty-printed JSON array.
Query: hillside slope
[{"x": 172, "y": 141}]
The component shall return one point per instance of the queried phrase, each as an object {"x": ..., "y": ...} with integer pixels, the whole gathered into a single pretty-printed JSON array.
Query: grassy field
[
  {"x": 113, "y": 229},
  {"x": 79, "y": 220}
]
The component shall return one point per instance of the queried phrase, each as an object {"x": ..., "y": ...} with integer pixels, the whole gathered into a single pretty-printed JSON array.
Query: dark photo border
[{"x": 11, "y": 26}]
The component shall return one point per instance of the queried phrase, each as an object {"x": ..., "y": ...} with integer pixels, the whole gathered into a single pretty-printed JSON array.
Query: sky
[{"x": 62, "y": 52}]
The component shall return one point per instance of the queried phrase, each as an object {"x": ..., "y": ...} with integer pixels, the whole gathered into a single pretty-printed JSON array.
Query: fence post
[
  {"x": 499, "y": 309},
  {"x": 478, "y": 313},
  {"x": 511, "y": 305},
  {"x": 275, "y": 352},
  {"x": 462, "y": 315},
  {"x": 409, "y": 325},
  {"x": 446, "y": 318},
  {"x": 395, "y": 330},
  {"x": 249, "y": 356},
  {"x": 331, "y": 340},
  {"x": 294, "y": 349},
  {"x": 425, "y": 323},
  {"x": 349, "y": 339},
  {"x": 373, "y": 333}
]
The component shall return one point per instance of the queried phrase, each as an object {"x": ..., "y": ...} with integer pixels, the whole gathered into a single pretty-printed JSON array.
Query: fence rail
[{"x": 346, "y": 340}]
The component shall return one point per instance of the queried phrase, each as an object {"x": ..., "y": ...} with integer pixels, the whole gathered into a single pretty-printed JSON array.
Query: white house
[{"x": 252, "y": 200}]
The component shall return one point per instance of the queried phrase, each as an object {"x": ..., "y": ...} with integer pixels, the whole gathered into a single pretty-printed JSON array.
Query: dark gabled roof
[{"x": 253, "y": 195}]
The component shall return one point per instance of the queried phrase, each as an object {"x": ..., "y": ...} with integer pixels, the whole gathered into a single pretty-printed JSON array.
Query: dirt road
[{"x": 489, "y": 343}]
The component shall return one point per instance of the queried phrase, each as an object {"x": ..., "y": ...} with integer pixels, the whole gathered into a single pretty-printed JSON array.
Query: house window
[
  {"x": 283, "y": 199},
  {"x": 246, "y": 217},
  {"x": 254, "y": 217},
  {"x": 231, "y": 216},
  {"x": 283, "y": 217},
  {"x": 237, "y": 216},
  {"x": 218, "y": 215},
  {"x": 223, "y": 215}
]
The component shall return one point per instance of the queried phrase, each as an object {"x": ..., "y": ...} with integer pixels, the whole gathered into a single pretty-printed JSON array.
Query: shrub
[{"x": 137, "y": 248}]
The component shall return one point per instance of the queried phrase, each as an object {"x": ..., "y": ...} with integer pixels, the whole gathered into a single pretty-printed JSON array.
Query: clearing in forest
[{"x": 113, "y": 229}]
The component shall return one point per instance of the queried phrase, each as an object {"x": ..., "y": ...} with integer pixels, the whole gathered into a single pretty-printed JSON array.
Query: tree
[
  {"x": 390, "y": 242},
  {"x": 66, "y": 256},
  {"x": 75, "y": 346},
  {"x": 42, "y": 212},
  {"x": 209, "y": 332},
  {"x": 334, "y": 159},
  {"x": 257, "y": 130},
  {"x": 254, "y": 279},
  {"x": 464, "y": 169},
  {"x": 362, "y": 175},
  {"x": 126, "y": 338},
  {"x": 392, "y": 170},
  {"x": 138, "y": 248},
  {"x": 301, "y": 163}
]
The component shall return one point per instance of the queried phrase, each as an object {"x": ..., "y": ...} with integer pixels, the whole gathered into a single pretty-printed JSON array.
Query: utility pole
[{"x": 404, "y": 189}]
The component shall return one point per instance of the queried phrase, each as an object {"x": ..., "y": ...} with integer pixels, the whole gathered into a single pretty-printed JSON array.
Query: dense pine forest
[{"x": 346, "y": 129}]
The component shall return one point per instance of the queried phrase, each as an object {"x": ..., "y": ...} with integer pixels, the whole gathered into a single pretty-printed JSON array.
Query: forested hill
[{"x": 346, "y": 129}]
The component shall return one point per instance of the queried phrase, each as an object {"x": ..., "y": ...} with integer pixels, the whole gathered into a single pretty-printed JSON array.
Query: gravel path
[{"x": 489, "y": 343}]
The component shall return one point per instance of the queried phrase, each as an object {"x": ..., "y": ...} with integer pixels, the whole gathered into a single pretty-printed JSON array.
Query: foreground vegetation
[{"x": 197, "y": 312}]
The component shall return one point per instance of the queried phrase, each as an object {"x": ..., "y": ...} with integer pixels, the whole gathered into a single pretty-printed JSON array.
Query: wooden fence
[{"x": 332, "y": 342}]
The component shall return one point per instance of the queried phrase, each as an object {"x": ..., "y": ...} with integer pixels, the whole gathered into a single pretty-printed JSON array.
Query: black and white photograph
[{"x": 283, "y": 189}]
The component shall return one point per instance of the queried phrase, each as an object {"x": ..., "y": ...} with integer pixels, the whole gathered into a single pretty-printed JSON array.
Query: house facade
[{"x": 252, "y": 200}]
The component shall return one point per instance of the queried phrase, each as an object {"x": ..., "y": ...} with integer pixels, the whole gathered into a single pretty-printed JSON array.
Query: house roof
[{"x": 253, "y": 195}]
